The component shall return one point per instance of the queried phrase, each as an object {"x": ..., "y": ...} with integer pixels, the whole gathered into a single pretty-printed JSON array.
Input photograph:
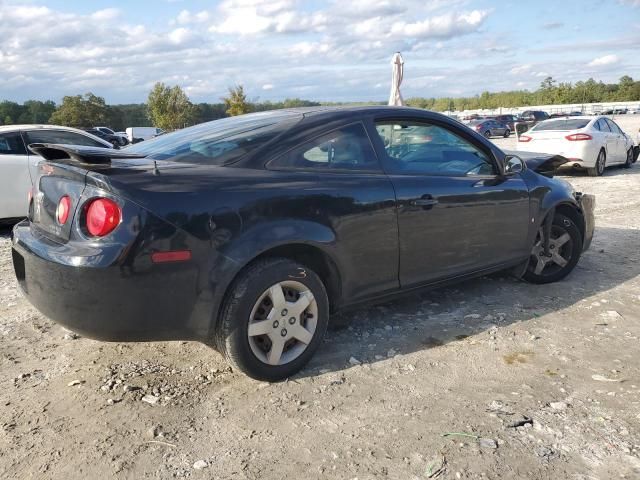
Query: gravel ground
[{"x": 539, "y": 382}]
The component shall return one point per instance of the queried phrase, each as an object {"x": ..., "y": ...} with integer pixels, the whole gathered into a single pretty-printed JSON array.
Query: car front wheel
[
  {"x": 565, "y": 248},
  {"x": 507, "y": 132},
  {"x": 273, "y": 320}
]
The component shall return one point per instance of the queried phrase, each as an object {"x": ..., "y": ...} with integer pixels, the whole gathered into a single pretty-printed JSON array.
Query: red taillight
[
  {"x": 525, "y": 138},
  {"x": 63, "y": 210},
  {"x": 171, "y": 256},
  {"x": 478, "y": 127},
  {"x": 577, "y": 137},
  {"x": 102, "y": 217}
]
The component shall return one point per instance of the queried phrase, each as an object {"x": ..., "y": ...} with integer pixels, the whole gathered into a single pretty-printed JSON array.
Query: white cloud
[
  {"x": 605, "y": 60},
  {"x": 267, "y": 86},
  {"x": 520, "y": 69},
  {"x": 447, "y": 25},
  {"x": 106, "y": 14},
  {"x": 180, "y": 35}
]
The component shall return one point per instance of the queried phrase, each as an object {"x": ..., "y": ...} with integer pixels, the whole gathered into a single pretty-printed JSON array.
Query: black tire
[
  {"x": 630, "y": 159},
  {"x": 232, "y": 338},
  {"x": 570, "y": 251},
  {"x": 601, "y": 163},
  {"x": 507, "y": 132},
  {"x": 487, "y": 134}
]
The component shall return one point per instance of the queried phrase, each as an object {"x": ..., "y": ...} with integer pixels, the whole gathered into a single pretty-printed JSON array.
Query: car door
[
  {"x": 620, "y": 142},
  {"x": 341, "y": 185},
  {"x": 610, "y": 141},
  {"x": 456, "y": 213},
  {"x": 14, "y": 176},
  {"x": 50, "y": 135}
]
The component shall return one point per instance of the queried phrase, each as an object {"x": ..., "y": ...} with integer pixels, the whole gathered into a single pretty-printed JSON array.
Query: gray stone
[
  {"x": 200, "y": 465},
  {"x": 488, "y": 443}
]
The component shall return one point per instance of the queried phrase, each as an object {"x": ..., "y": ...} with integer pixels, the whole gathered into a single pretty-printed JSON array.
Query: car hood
[{"x": 543, "y": 163}]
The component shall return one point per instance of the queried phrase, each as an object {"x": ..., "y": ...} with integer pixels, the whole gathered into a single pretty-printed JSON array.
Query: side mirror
[{"x": 513, "y": 165}]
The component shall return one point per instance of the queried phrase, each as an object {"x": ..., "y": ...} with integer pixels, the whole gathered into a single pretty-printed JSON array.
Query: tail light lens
[
  {"x": 64, "y": 207},
  {"x": 525, "y": 138},
  {"x": 577, "y": 137},
  {"x": 478, "y": 127},
  {"x": 102, "y": 217}
]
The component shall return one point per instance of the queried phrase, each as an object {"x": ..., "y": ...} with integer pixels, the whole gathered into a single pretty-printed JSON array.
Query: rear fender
[{"x": 258, "y": 240}]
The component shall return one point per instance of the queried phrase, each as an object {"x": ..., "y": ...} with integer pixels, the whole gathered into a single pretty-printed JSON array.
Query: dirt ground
[{"x": 491, "y": 379}]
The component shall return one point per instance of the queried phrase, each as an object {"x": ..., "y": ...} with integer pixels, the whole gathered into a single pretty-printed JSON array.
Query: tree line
[{"x": 169, "y": 107}]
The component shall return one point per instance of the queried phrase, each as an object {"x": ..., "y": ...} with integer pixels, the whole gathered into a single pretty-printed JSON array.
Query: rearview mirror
[{"x": 513, "y": 165}]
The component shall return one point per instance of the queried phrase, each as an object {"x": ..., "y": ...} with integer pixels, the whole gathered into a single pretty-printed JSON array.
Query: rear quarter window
[{"x": 11, "y": 144}]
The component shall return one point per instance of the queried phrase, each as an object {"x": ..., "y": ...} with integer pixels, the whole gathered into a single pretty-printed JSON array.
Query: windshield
[
  {"x": 562, "y": 124},
  {"x": 218, "y": 142}
]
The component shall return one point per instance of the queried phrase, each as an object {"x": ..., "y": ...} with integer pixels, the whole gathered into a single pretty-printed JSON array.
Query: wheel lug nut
[
  {"x": 292, "y": 320},
  {"x": 284, "y": 312},
  {"x": 276, "y": 324},
  {"x": 283, "y": 332}
]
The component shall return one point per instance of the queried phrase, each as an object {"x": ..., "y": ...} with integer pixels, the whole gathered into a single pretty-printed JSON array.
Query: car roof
[
  {"x": 13, "y": 128},
  {"x": 38, "y": 127},
  {"x": 354, "y": 109}
]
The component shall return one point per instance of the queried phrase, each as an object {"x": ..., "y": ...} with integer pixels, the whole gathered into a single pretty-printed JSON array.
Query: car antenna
[{"x": 155, "y": 168}]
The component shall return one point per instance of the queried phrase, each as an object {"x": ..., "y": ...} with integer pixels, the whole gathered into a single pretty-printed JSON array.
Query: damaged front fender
[{"x": 542, "y": 163}]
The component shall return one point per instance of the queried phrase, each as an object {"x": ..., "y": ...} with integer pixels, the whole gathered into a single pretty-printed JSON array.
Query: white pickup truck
[{"x": 138, "y": 134}]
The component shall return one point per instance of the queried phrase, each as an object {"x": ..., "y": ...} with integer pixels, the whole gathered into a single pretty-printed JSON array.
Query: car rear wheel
[
  {"x": 273, "y": 319},
  {"x": 507, "y": 132},
  {"x": 630, "y": 158},
  {"x": 487, "y": 134},
  {"x": 601, "y": 162},
  {"x": 565, "y": 248}
]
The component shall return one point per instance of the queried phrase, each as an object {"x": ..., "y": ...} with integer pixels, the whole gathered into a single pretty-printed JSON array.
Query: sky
[{"x": 325, "y": 50}]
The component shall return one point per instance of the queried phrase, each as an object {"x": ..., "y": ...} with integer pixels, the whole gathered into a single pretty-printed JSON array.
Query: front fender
[{"x": 547, "y": 194}]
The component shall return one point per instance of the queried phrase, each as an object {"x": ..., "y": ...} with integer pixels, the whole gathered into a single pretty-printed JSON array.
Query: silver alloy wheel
[
  {"x": 282, "y": 323},
  {"x": 600, "y": 162},
  {"x": 558, "y": 252}
]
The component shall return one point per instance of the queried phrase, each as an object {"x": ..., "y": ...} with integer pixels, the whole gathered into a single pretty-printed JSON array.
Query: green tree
[
  {"x": 169, "y": 107},
  {"x": 36, "y": 111},
  {"x": 236, "y": 103},
  {"x": 81, "y": 111},
  {"x": 10, "y": 112}
]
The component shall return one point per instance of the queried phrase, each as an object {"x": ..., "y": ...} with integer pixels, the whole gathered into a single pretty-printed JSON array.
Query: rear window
[
  {"x": 561, "y": 124},
  {"x": 219, "y": 142}
]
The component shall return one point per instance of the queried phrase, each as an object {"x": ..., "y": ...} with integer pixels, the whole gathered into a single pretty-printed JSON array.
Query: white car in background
[
  {"x": 588, "y": 142},
  {"x": 18, "y": 163}
]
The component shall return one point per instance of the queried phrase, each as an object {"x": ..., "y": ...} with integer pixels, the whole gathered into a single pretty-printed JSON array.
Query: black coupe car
[{"x": 247, "y": 232}]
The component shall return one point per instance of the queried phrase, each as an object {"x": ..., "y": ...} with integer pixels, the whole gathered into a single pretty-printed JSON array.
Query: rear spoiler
[{"x": 79, "y": 153}]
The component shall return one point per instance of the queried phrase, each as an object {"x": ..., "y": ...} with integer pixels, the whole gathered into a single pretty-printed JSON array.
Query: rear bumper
[
  {"x": 96, "y": 294},
  {"x": 588, "y": 205}
]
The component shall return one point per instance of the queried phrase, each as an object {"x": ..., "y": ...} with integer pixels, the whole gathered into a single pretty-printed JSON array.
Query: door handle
[{"x": 425, "y": 202}]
